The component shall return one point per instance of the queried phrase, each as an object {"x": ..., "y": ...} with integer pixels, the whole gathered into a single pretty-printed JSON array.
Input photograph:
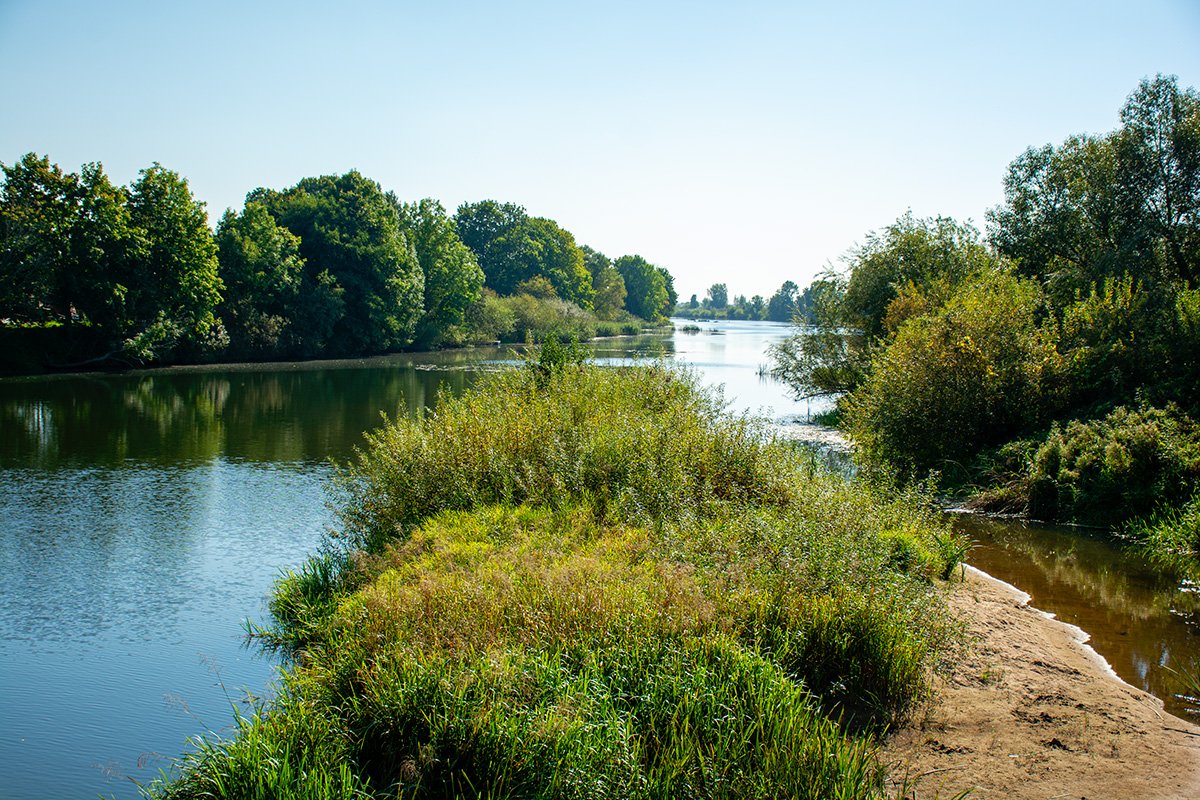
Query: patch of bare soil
[{"x": 1030, "y": 712}]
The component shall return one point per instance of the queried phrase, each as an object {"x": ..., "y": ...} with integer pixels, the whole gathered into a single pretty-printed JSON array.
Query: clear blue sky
[{"x": 748, "y": 143}]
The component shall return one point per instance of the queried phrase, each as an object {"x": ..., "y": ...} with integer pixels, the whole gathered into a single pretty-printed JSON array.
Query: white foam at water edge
[{"x": 1081, "y": 636}]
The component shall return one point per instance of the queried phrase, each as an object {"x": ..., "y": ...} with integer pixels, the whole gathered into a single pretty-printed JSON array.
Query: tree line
[
  {"x": 788, "y": 304},
  {"x": 1053, "y": 363},
  {"x": 331, "y": 267}
]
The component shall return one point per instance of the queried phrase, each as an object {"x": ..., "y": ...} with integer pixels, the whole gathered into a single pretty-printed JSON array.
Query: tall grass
[{"x": 585, "y": 583}]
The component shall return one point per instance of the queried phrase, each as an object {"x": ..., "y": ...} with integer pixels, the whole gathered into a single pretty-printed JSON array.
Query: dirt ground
[{"x": 1033, "y": 713}]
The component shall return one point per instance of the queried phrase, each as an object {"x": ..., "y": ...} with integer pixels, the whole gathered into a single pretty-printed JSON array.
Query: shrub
[
  {"x": 974, "y": 373},
  {"x": 1114, "y": 468}
]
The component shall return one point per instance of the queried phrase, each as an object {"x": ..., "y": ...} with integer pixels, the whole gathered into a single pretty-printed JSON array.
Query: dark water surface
[{"x": 144, "y": 517}]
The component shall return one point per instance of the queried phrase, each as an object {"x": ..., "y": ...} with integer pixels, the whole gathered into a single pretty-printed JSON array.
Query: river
[{"x": 144, "y": 517}]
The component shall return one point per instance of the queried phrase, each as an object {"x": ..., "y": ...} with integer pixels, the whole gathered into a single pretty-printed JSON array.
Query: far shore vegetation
[
  {"x": 1050, "y": 368},
  {"x": 585, "y": 582},
  {"x": 96, "y": 275}
]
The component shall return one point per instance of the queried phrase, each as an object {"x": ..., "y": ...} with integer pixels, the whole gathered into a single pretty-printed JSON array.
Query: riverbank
[{"x": 1032, "y": 712}]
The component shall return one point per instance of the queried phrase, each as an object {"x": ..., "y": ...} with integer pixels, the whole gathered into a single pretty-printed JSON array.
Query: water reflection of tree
[
  {"x": 268, "y": 415},
  {"x": 1100, "y": 571}
]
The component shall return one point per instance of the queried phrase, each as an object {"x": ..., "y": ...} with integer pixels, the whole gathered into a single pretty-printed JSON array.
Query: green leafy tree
[
  {"x": 609, "y": 286},
  {"x": 829, "y": 359},
  {"x": 173, "y": 283},
  {"x": 718, "y": 296},
  {"x": 37, "y": 220},
  {"x": 1101, "y": 207},
  {"x": 596, "y": 262},
  {"x": 1158, "y": 166},
  {"x": 975, "y": 372},
  {"x": 921, "y": 252},
  {"x": 556, "y": 256},
  {"x": 453, "y": 279},
  {"x": 910, "y": 268},
  {"x": 669, "y": 285},
  {"x": 513, "y": 247},
  {"x": 65, "y": 242},
  {"x": 646, "y": 288},
  {"x": 363, "y": 290},
  {"x": 782, "y": 305},
  {"x": 262, "y": 271}
]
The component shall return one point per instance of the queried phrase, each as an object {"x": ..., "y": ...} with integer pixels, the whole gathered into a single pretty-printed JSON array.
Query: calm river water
[{"x": 144, "y": 517}]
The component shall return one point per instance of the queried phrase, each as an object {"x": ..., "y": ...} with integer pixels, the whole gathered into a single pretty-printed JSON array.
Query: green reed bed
[{"x": 586, "y": 583}]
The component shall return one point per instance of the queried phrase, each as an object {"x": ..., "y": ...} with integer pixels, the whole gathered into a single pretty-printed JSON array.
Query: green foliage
[
  {"x": 782, "y": 306},
  {"x": 598, "y": 434},
  {"x": 1173, "y": 534},
  {"x": 977, "y": 372},
  {"x": 453, "y": 280},
  {"x": 262, "y": 271},
  {"x": 363, "y": 290},
  {"x": 646, "y": 288},
  {"x": 911, "y": 267},
  {"x": 1125, "y": 203},
  {"x": 1121, "y": 466},
  {"x": 526, "y": 318},
  {"x": 513, "y": 247},
  {"x": 609, "y": 302},
  {"x": 1113, "y": 343},
  {"x": 828, "y": 359},
  {"x": 718, "y": 296},
  {"x": 917, "y": 252},
  {"x": 554, "y": 356},
  {"x": 593, "y": 583},
  {"x": 140, "y": 264},
  {"x": 172, "y": 285}
]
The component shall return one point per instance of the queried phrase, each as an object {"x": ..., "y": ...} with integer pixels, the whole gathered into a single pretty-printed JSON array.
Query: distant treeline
[
  {"x": 331, "y": 267},
  {"x": 789, "y": 304},
  {"x": 1053, "y": 366}
]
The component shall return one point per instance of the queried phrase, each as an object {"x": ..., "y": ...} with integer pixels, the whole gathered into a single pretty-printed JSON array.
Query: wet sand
[{"x": 1032, "y": 712}]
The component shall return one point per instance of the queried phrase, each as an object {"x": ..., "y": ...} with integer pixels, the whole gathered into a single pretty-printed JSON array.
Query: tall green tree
[
  {"x": 928, "y": 255},
  {"x": 646, "y": 288},
  {"x": 782, "y": 305},
  {"x": 453, "y": 278},
  {"x": 669, "y": 285},
  {"x": 173, "y": 284},
  {"x": 363, "y": 290},
  {"x": 1158, "y": 166},
  {"x": 1101, "y": 207},
  {"x": 513, "y": 247},
  {"x": 556, "y": 256},
  {"x": 65, "y": 242},
  {"x": 262, "y": 271},
  {"x": 609, "y": 286},
  {"x": 718, "y": 296}
]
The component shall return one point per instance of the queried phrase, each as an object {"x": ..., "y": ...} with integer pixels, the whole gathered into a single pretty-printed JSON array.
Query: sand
[{"x": 1032, "y": 712}]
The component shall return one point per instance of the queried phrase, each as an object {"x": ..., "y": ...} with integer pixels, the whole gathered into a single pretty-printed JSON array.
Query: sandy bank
[{"x": 1033, "y": 713}]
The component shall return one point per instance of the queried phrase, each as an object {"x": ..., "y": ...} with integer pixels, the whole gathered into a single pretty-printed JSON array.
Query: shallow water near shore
[{"x": 1142, "y": 620}]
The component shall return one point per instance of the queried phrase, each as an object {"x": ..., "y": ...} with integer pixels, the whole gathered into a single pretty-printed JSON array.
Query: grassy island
[{"x": 583, "y": 582}]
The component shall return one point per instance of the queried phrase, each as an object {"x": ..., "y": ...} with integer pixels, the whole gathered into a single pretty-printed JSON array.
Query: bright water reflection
[{"x": 143, "y": 518}]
